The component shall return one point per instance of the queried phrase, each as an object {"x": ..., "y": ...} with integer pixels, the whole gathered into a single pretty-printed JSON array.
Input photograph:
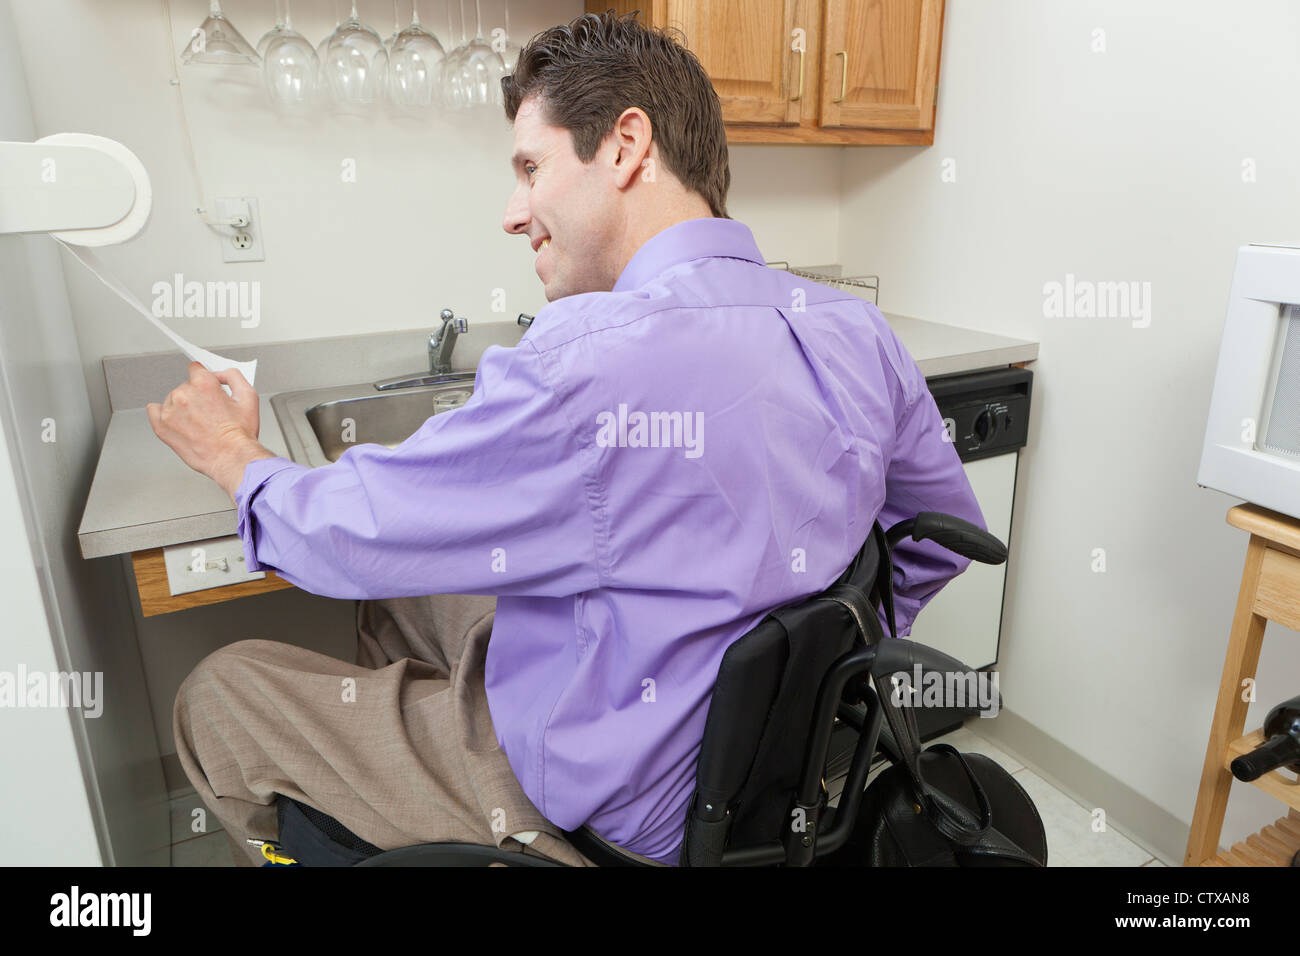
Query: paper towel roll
[{"x": 209, "y": 360}]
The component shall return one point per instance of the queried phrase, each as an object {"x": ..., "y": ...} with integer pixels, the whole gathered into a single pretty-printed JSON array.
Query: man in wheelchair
[{"x": 683, "y": 441}]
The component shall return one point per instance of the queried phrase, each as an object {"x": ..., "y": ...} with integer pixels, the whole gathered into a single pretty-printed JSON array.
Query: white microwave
[{"x": 1252, "y": 438}]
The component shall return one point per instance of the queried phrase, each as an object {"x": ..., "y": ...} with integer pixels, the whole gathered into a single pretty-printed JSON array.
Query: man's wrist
[{"x": 230, "y": 473}]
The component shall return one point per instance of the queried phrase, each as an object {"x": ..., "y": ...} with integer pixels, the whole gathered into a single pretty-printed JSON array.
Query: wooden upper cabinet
[
  {"x": 836, "y": 72},
  {"x": 880, "y": 63},
  {"x": 746, "y": 48}
]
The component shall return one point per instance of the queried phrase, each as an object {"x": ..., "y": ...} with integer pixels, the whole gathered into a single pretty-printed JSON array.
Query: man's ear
[{"x": 632, "y": 135}]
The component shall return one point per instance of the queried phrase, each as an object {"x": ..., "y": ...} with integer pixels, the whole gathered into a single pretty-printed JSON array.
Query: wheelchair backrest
[{"x": 760, "y": 716}]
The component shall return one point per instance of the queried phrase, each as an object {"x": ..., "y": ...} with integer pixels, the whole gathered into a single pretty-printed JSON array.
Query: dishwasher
[{"x": 987, "y": 415}]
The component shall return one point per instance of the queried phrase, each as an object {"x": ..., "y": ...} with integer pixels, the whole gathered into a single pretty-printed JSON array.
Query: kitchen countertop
[
  {"x": 143, "y": 496},
  {"x": 947, "y": 349}
]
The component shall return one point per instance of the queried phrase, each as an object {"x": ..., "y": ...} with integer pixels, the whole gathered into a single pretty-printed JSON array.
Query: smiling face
[{"x": 569, "y": 210}]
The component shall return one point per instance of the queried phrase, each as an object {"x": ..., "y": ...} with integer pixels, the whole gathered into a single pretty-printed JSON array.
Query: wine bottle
[{"x": 1281, "y": 744}]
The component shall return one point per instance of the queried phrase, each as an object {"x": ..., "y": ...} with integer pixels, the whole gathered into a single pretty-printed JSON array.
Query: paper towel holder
[{"x": 84, "y": 189}]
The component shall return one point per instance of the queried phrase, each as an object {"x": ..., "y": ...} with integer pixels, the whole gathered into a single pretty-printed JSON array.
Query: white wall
[{"x": 1122, "y": 165}]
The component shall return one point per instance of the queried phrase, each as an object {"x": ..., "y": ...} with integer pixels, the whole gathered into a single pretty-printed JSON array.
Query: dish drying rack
[{"x": 866, "y": 286}]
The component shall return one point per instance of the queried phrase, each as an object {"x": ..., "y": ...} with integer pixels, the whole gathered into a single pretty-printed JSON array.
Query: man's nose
[{"x": 517, "y": 217}]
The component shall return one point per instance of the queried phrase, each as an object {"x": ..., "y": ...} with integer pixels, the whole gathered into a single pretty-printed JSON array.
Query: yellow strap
[{"x": 269, "y": 851}]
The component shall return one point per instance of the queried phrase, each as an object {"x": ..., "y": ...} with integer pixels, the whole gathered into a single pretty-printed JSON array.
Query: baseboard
[{"x": 1128, "y": 812}]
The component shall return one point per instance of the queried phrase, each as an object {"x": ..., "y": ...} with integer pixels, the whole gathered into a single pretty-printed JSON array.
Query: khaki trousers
[{"x": 398, "y": 747}]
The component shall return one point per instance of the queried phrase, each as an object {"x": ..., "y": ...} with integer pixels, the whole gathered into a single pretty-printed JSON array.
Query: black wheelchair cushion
[
  {"x": 761, "y": 712},
  {"x": 314, "y": 838}
]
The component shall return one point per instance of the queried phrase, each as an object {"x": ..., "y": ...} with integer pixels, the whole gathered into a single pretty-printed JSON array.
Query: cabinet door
[
  {"x": 880, "y": 63},
  {"x": 746, "y": 48}
]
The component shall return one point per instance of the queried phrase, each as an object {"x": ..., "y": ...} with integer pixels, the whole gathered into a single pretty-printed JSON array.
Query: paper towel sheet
[{"x": 210, "y": 360}]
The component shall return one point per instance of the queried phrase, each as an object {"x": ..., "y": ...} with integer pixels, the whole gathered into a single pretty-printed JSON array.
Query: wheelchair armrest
[
  {"x": 899, "y": 654},
  {"x": 958, "y": 536}
]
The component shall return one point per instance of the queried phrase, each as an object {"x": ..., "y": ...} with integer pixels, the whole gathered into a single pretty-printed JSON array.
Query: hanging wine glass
[
  {"x": 290, "y": 68},
  {"x": 272, "y": 33},
  {"x": 415, "y": 65},
  {"x": 216, "y": 41},
  {"x": 478, "y": 70},
  {"x": 324, "y": 44},
  {"x": 355, "y": 67},
  {"x": 397, "y": 28},
  {"x": 453, "y": 95},
  {"x": 505, "y": 45}
]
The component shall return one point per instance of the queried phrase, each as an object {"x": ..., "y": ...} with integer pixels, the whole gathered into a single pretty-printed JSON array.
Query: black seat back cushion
[{"x": 760, "y": 718}]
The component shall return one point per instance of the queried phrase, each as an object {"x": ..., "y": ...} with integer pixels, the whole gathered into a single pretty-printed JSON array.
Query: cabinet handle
[
  {"x": 844, "y": 76},
  {"x": 799, "y": 95}
]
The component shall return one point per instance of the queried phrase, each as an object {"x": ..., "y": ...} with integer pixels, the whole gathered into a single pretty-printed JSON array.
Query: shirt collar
[{"x": 685, "y": 241}]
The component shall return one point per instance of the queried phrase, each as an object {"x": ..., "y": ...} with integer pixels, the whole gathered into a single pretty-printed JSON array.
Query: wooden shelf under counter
[{"x": 156, "y": 597}]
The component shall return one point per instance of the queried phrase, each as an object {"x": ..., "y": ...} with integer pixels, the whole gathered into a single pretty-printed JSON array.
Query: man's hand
[{"x": 212, "y": 432}]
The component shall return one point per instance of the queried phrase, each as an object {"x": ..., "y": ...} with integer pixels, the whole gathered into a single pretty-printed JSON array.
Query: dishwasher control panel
[{"x": 986, "y": 413}]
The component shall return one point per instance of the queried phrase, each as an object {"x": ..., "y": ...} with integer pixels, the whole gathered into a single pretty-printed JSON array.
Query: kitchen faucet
[
  {"x": 444, "y": 340},
  {"x": 441, "y": 344}
]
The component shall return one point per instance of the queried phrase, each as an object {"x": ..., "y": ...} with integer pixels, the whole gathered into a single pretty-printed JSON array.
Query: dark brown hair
[{"x": 587, "y": 72}]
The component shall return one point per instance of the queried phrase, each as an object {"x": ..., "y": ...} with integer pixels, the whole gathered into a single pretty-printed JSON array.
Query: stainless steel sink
[{"x": 320, "y": 424}]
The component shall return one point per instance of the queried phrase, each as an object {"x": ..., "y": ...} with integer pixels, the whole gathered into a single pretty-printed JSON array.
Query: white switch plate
[
  {"x": 233, "y": 247},
  {"x": 221, "y": 559}
]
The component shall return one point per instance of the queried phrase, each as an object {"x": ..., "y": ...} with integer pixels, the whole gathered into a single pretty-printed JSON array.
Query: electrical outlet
[
  {"x": 240, "y": 243},
  {"x": 200, "y": 565}
]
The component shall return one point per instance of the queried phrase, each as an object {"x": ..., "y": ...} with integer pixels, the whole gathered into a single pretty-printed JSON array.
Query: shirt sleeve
[
  {"x": 924, "y": 474},
  {"x": 489, "y": 498}
]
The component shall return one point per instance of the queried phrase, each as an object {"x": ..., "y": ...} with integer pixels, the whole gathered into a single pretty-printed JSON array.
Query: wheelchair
[{"x": 784, "y": 690}]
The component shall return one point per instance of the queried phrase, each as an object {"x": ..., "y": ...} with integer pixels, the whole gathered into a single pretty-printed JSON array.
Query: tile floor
[{"x": 1070, "y": 837}]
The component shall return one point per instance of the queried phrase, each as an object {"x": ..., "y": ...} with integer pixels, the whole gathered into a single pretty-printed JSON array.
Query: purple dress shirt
[{"x": 639, "y": 481}]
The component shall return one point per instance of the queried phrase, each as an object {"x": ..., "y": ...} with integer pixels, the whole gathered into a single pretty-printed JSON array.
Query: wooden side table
[{"x": 1270, "y": 591}]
